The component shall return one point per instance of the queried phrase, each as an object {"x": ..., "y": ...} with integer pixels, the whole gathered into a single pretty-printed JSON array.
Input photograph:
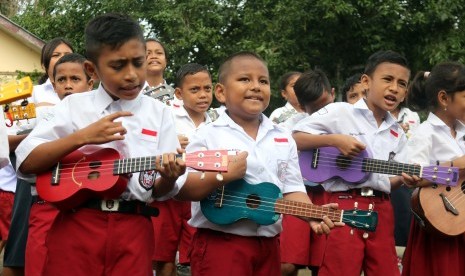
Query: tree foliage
[{"x": 334, "y": 35}]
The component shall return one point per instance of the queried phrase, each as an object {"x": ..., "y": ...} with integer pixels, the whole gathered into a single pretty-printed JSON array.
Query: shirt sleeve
[
  {"x": 4, "y": 147},
  {"x": 293, "y": 178},
  {"x": 320, "y": 122}
]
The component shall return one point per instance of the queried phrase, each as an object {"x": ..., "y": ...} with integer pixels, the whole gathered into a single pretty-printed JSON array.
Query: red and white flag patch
[
  {"x": 281, "y": 140},
  {"x": 149, "y": 132},
  {"x": 394, "y": 133}
]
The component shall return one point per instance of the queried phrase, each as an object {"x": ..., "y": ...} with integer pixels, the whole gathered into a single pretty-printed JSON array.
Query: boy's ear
[
  {"x": 177, "y": 93},
  {"x": 220, "y": 93},
  {"x": 90, "y": 70},
  {"x": 90, "y": 85},
  {"x": 365, "y": 81},
  {"x": 53, "y": 84},
  {"x": 284, "y": 94}
]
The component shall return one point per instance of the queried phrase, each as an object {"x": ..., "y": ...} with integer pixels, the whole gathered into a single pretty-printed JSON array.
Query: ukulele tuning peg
[
  {"x": 219, "y": 177},
  {"x": 202, "y": 176},
  {"x": 365, "y": 235},
  {"x": 355, "y": 205},
  {"x": 370, "y": 207},
  {"x": 352, "y": 231}
]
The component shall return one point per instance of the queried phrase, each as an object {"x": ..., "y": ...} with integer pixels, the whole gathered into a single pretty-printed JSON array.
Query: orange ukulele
[
  {"x": 441, "y": 208},
  {"x": 102, "y": 174}
]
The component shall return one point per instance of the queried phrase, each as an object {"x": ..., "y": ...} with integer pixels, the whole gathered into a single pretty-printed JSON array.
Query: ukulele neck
[
  {"x": 138, "y": 164},
  {"x": 306, "y": 210}
]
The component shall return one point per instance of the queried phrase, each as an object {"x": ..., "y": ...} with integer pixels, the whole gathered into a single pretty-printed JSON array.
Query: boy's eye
[
  {"x": 138, "y": 62},
  {"x": 194, "y": 89},
  {"x": 208, "y": 88},
  {"x": 244, "y": 79},
  {"x": 264, "y": 81},
  {"x": 61, "y": 79},
  {"x": 75, "y": 79}
]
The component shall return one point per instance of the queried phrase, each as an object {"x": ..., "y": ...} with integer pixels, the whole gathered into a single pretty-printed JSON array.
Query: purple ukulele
[{"x": 324, "y": 163}]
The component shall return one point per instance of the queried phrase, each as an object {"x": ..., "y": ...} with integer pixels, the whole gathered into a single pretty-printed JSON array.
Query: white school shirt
[
  {"x": 432, "y": 141},
  {"x": 4, "y": 147},
  {"x": 272, "y": 158},
  {"x": 44, "y": 93},
  {"x": 281, "y": 114},
  {"x": 150, "y": 131},
  {"x": 184, "y": 124},
  {"x": 357, "y": 121},
  {"x": 407, "y": 116}
]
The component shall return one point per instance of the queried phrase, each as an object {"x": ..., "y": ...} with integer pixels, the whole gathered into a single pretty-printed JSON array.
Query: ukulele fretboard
[
  {"x": 390, "y": 167},
  {"x": 306, "y": 210}
]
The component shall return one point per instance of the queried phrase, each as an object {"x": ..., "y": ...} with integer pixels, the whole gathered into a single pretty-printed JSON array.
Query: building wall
[{"x": 14, "y": 55}]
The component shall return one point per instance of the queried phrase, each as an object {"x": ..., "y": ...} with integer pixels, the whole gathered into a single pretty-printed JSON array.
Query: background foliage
[{"x": 334, "y": 35}]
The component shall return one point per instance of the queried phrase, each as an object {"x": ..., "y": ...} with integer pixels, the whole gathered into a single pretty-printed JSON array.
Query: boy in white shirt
[
  {"x": 194, "y": 88},
  {"x": 108, "y": 236},
  {"x": 268, "y": 155}
]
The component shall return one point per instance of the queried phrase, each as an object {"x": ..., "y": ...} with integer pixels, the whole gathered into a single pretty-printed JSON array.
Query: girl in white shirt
[{"x": 439, "y": 138}]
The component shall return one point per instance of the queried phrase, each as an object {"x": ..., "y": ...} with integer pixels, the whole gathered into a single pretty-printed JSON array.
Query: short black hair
[
  {"x": 112, "y": 30},
  {"x": 384, "y": 56},
  {"x": 310, "y": 86},
  {"x": 189, "y": 69},
  {"x": 72, "y": 58},
  {"x": 226, "y": 64},
  {"x": 349, "y": 83},
  {"x": 47, "y": 53}
]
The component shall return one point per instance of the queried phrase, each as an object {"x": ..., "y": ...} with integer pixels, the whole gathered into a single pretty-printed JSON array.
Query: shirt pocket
[{"x": 148, "y": 139}]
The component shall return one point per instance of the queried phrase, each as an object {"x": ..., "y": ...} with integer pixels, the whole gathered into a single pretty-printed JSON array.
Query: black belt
[
  {"x": 366, "y": 192},
  {"x": 37, "y": 199},
  {"x": 121, "y": 206}
]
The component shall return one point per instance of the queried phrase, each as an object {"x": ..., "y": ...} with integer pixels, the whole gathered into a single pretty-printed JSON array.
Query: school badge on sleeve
[{"x": 147, "y": 179}]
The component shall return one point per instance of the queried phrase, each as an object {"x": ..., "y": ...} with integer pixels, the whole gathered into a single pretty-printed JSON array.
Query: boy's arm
[
  {"x": 346, "y": 144},
  {"x": 46, "y": 155},
  {"x": 197, "y": 187}
]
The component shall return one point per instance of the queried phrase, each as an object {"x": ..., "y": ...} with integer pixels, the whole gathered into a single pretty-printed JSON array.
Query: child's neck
[
  {"x": 297, "y": 107},
  {"x": 250, "y": 126},
  {"x": 196, "y": 117},
  {"x": 155, "y": 79},
  {"x": 448, "y": 120},
  {"x": 378, "y": 113}
]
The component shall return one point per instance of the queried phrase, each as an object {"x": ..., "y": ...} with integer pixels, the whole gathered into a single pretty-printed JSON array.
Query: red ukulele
[{"x": 102, "y": 174}]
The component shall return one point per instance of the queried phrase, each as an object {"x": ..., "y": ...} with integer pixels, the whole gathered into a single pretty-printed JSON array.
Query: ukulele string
[
  {"x": 233, "y": 204},
  {"x": 239, "y": 197},
  {"x": 456, "y": 197}
]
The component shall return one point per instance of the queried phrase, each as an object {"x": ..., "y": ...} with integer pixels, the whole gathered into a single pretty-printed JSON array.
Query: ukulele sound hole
[
  {"x": 93, "y": 175},
  {"x": 252, "y": 201},
  {"x": 95, "y": 164},
  {"x": 343, "y": 162}
]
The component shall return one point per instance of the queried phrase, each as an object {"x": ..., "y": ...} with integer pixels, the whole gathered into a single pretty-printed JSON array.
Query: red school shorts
[
  {"x": 348, "y": 252},
  {"x": 92, "y": 242},
  {"x": 6, "y": 206},
  {"x": 217, "y": 253},
  {"x": 172, "y": 233},
  {"x": 299, "y": 244},
  {"x": 41, "y": 219}
]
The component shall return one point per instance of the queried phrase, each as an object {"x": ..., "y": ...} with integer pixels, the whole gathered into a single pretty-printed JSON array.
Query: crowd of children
[{"x": 133, "y": 129}]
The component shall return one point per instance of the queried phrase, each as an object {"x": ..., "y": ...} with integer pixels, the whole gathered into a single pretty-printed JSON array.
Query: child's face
[
  {"x": 387, "y": 86},
  {"x": 355, "y": 93},
  {"x": 59, "y": 51},
  {"x": 456, "y": 106},
  {"x": 156, "y": 58},
  {"x": 70, "y": 78},
  {"x": 288, "y": 93},
  {"x": 246, "y": 89},
  {"x": 196, "y": 92},
  {"x": 326, "y": 98},
  {"x": 121, "y": 71}
]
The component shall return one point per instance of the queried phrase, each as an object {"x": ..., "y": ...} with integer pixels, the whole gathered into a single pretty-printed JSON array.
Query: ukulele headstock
[
  {"x": 441, "y": 175},
  {"x": 209, "y": 160},
  {"x": 361, "y": 219}
]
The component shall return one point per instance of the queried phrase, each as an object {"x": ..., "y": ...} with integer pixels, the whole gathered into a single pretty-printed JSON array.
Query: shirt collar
[
  {"x": 435, "y": 121},
  {"x": 180, "y": 110},
  {"x": 225, "y": 120},
  {"x": 103, "y": 100}
]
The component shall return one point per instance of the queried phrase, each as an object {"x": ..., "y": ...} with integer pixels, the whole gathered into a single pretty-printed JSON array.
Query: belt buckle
[
  {"x": 109, "y": 205},
  {"x": 365, "y": 191}
]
